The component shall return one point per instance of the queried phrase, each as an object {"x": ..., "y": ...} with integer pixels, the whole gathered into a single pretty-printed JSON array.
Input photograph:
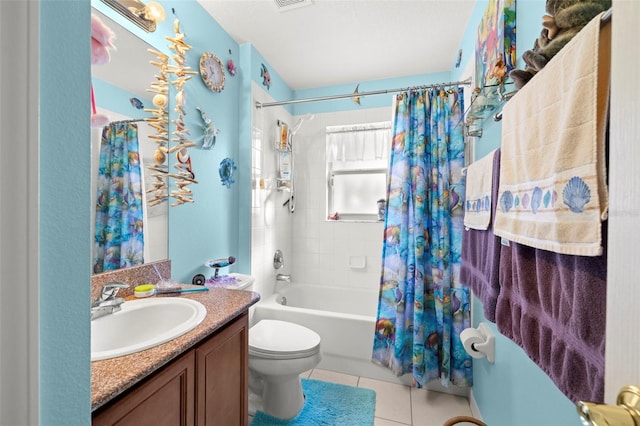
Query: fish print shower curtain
[
  {"x": 422, "y": 307},
  {"x": 119, "y": 241}
]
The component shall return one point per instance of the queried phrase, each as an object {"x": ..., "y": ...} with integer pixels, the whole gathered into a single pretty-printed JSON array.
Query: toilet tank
[{"x": 243, "y": 282}]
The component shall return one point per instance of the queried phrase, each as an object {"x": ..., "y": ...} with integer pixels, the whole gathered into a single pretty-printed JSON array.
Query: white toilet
[{"x": 279, "y": 351}]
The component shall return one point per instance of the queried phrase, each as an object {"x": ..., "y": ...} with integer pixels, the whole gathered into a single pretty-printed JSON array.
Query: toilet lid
[{"x": 282, "y": 340}]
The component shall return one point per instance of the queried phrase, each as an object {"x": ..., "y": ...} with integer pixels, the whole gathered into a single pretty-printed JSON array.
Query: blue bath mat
[{"x": 328, "y": 404}]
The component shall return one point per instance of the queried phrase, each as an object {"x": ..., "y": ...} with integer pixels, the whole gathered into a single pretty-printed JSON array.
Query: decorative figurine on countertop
[
  {"x": 266, "y": 78},
  {"x": 227, "y": 167},
  {"x": 216, "y": 280},
  {"x": 209, "y": 131}
]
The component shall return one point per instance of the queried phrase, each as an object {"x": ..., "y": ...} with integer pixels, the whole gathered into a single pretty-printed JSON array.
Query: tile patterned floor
[{"x": 399, "y": 405}]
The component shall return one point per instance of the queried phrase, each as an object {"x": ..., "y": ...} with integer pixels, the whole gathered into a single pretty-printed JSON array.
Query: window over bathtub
[{"x": 357, "y": 159}]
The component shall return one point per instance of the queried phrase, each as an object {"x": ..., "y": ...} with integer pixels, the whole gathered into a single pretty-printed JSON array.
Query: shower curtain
[
  {"x": 422, "y": 306},
  {"x": 119, "y": 241}
]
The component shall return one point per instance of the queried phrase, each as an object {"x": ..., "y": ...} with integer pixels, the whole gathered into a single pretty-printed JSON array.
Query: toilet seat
[{"x": 274, "y": 339}]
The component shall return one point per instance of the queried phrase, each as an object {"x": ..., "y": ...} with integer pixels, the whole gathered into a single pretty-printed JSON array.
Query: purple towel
[
  {"x": 553, "y": 305},
  {"x": 481, "y": 255}
]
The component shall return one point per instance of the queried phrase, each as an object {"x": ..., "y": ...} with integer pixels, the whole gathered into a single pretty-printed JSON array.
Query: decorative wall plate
[{"x": 212, "y": 71}]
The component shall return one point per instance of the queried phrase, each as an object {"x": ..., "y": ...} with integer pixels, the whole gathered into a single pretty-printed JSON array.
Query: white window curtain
[{"x": 361, "y": 142}]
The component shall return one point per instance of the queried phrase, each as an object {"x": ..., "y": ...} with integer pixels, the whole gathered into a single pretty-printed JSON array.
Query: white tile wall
[
  {"x": 322, "y": 248},
  {"x": 271, "y": 224},
  {"x": 316, "y": 251}
]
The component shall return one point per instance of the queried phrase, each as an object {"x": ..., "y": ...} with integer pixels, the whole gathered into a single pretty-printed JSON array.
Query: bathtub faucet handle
[{"x": 283, "y": 277}]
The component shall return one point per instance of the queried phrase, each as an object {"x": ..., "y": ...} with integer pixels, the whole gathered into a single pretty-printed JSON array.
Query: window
[{"x": 357, "y": 164}]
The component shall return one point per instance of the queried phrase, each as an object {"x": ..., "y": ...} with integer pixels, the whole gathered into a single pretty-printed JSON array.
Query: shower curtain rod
[{"x": 466, "y": 82}]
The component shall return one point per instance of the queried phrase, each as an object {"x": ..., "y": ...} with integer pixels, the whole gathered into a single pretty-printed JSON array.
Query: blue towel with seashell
[{"x": 553, "y": 193}]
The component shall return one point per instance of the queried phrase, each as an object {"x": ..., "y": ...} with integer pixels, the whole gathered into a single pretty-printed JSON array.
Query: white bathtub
[{"x": 343, "y": 317}]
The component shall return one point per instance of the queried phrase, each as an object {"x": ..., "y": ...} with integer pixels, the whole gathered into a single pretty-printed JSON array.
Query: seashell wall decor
[
  {"x": 184, "y": 173},
  {"x": 159, "y": 188}
]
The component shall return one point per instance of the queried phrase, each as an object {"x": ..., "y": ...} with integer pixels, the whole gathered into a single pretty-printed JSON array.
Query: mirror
[{"x": 130, "y": 74}]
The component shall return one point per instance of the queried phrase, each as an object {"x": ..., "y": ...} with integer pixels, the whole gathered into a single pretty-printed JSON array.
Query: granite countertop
[{"x": 111, "y": 377}]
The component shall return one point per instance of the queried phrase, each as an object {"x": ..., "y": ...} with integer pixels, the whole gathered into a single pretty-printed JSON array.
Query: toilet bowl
[{"x": 278, "y": 352}]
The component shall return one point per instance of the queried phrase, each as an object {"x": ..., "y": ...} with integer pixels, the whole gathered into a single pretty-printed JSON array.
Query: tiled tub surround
[{"x": 111, "y": 377}]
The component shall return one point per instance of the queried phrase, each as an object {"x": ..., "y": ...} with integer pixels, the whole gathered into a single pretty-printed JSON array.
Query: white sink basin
[{"x": 143, "y": 324}]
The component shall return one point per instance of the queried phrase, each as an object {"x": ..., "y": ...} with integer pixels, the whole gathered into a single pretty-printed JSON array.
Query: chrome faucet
[
  {"x": 283, "y": 277},
  {"x": 107, "y": 303}
]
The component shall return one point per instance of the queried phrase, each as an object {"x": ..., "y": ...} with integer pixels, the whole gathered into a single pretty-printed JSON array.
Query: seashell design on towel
[
  {"x": 550, "y": 198},
  {"x": 536, "y": 199},
  {"x": 576, "y": 194},
  {"x": 506, "y": 201}
]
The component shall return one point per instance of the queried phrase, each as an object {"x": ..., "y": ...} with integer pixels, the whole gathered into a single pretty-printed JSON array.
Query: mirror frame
[{"x": 146, "y": 24}]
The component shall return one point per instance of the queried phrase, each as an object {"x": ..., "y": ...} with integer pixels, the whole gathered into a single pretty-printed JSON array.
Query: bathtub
[{"x": 343, "y": 317}]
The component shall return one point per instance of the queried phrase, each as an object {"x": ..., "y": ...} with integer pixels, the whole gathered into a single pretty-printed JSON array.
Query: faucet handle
[
  {"x": 109, "y": 290},
  {"x": 283, "y": 277}
]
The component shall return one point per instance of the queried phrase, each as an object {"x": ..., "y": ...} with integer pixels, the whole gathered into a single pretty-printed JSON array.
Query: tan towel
[
  {"x": 553, "y": 192},
  {"x": 477, "y": 212}
]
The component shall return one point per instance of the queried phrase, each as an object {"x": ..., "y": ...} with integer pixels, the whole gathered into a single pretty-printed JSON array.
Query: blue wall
[
  {"x": 116, "y": 99},
  {"x": 211, "y": 226},
  {"x": 514, "y": 391},
  {"x": 218, "y": 223},
  {"x": 207, "y": 228},
  {"x": 65, "y": 243}
]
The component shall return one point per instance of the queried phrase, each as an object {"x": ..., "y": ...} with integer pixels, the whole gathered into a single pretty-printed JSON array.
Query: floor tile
[
  {"x": 384, "y": 422},
  {"x": 333, "y": 377},
  {"x": 393, "y": 401},
  {"x": 400, "y": 405},
  {"x": 430, "y": 408}
]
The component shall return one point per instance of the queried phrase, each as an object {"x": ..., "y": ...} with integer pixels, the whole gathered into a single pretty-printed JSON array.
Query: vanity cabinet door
[
  {"x": 222, "y": 368},
  {"x": 166, "y": 398}
]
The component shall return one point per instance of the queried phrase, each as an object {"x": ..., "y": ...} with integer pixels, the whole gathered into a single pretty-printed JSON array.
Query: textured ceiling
[
  {"x": 335, "y": 42},
  {"x": 329, "y": 42}
]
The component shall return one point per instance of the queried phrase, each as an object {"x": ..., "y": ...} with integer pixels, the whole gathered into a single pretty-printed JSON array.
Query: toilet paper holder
[{"x": 483, "y": 342}]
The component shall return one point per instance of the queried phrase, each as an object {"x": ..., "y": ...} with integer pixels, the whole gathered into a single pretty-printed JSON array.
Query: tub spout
[{"x": 283, "y": 277}]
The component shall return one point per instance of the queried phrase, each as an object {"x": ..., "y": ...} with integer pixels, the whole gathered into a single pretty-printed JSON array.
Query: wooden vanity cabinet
[
  {"x": 165, "y": 398},
  {"x": 222, "y": 377},
  {"x": 207, "y": 385}
]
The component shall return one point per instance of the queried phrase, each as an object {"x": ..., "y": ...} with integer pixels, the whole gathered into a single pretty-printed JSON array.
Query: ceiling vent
[{"x": 284, "y": 5}]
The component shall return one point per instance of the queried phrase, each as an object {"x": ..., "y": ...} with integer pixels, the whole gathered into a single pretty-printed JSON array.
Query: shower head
[{"x": 301, "y": 120}]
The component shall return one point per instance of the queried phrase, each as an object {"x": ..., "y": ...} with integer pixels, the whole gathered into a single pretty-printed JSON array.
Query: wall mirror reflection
[{"x": 131, "y": 231}]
